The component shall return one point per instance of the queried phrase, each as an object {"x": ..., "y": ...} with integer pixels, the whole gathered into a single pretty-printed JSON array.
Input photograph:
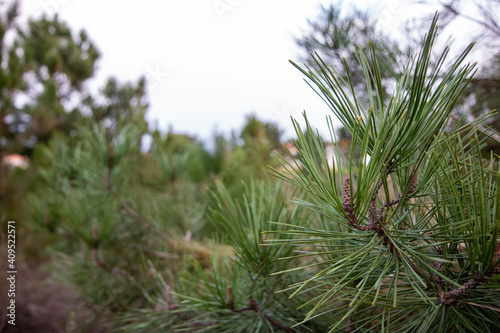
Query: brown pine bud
[
  {"x": 95, "y": 237},
  {"x": 496, "y": 256},
  {"x": 229, "y": 296},
  {"x": 347, "y": 192}
]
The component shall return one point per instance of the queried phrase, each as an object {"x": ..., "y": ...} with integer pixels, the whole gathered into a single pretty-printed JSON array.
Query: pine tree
[
  {"x": 405, "y": 241},
  {"x": 44, "y": 68},
  {"x": 412, "y": 239},
  {"x": 336, "y": 33}
]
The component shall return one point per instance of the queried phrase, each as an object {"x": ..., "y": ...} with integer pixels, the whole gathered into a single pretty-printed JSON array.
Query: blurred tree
[
  {"x": 11, "y": 78},
  {"x": 43, "y": 75},
  {"x": 43, "y": 68},
  {"x": 118, "y": 102},
  {"x": 11, "y": 81},
  {"x": 56, "y": 65},
  {"x": 248, "y": 152},
  {"x": 336, "y": 33},
  {"x": 483, "y": 92},
  {"x": 259, "y": 140}
]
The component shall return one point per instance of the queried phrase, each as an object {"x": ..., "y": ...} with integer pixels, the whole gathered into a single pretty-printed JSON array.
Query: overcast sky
[{"x": 208, "y": 62}]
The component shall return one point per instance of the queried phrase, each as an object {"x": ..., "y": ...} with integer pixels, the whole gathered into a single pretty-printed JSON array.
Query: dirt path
[{"x": 41, "y": 306}]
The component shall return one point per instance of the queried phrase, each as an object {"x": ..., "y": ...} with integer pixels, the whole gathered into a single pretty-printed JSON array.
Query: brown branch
[
  {"x": 413, "y": 184},
  {"x": 130, "y": 211},
  {"x": 279, "y": 325},
  {"x": 229, "y": 297},
  {"x": 49, "y": 225},
  {"x": 375, "y": 217},
  {"x": 253, "y": 306},
  {"x": 450, "y": 297},
  {"x": 167, "y": 296},
  {"x": 447, "y": 298},
  {"x": 99, "y": 262},
  {"x": 95, "y": 250},
  {"x": 167, "y": 293},
  {"x": 493, "y": 27}
]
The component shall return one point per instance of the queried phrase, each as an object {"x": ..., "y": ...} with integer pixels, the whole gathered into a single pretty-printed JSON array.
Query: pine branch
[
  {"x": 349, "y": 207},
  {"x": 130, "y": 211},
  {"x": 376, "y": 222},
  {"x": 375, "y": 217},
  {"x": 450, "y": 297},
  {"x": 95, "y": 250},
  {"x": 254, "y": 306}
]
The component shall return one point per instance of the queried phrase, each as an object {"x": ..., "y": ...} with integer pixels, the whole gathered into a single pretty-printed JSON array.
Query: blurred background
[
  {"x": 207, "y": 64},
  {"x": 118, "y": 117}
]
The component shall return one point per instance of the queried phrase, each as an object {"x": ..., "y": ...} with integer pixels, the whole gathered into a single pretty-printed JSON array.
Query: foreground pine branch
[
  {"x": 411, "y": 242},
  {"x": 399, "y": 235}
]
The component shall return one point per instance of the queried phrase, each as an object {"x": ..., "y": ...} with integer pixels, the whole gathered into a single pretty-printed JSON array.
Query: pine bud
[
  {"x": 347, "y": 193},
  {"x": 95, "y": 237}
]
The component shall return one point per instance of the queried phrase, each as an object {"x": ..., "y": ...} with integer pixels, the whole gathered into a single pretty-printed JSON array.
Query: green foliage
[
  {"x": 336, "y": 35},
  {"x": 248, "y": 154},
  {"x": 236, "y": 293},
  {"x": 51, "y": 50},
  {"x": 412, "y": 244},
  {"x": 44, "y": 68},
  {"x": 118, "y": 102},
  {"x": 88, "y": 198},
  {"x": 114, "y": 208},
  {"x": 401, "y": 234},
  {"x": 57, "y": 64}
]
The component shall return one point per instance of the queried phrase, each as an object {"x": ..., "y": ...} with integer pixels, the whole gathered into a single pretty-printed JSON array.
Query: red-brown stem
[
  {"x": 49, "y": 225},
  {"x": 253, "y": 306},
  {"x": 229, "y": 297},
  {"x": 130, "y": 211},
  {"x": 450, "y": 297},
  {"x": 99, "y": 262},
  {"x": 95, "y": 250},
  {"x": 351, "y": 327}
]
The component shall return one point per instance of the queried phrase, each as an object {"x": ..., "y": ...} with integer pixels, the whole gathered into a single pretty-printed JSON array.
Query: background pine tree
[{"x": 398, "y": 232}]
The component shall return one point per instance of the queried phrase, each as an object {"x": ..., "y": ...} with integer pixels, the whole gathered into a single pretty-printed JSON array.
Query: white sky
[{"x": 208, "y": 62}]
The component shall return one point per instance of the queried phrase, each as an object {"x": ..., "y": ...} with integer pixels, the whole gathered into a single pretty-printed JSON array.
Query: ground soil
[{"x": 43, "y": 306}]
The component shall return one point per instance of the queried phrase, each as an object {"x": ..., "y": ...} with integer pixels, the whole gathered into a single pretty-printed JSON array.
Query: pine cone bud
[{"x": 347, "y": 194}]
